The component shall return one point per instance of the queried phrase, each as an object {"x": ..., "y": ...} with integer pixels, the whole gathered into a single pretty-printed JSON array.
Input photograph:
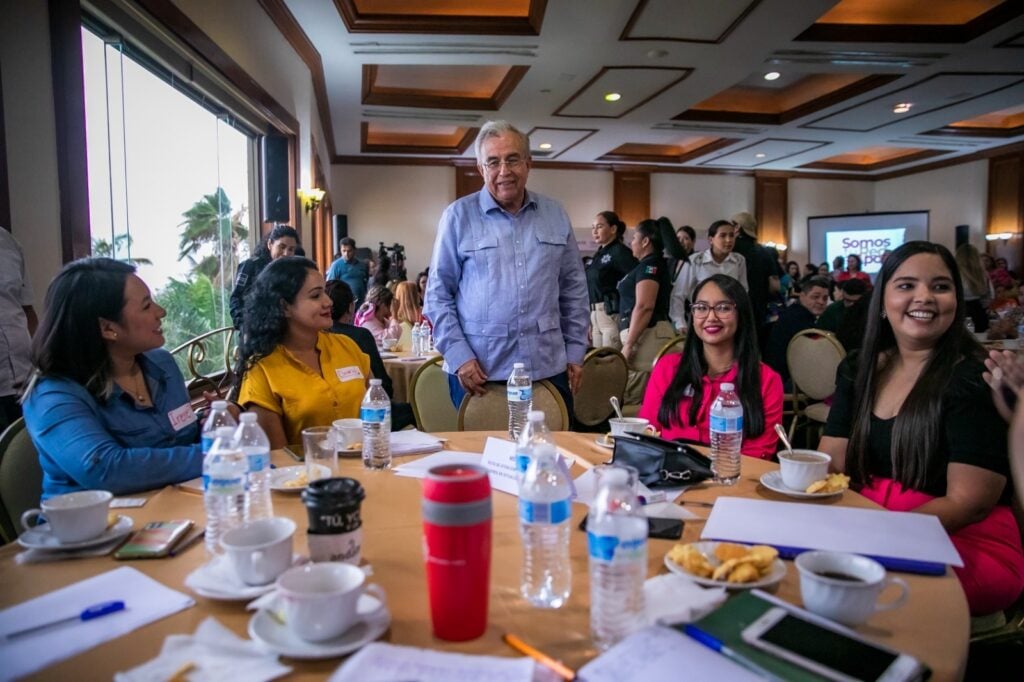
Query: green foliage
[
  {"x": 193, "y": 307},
  {"x": 210, "y": 221},
  {"x": 120, "y": 243}
]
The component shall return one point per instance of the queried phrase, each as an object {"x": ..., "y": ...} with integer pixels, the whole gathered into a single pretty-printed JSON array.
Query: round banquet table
[
  {"x": 932, "y": 625},
  {"x": 401, "y": 368}
]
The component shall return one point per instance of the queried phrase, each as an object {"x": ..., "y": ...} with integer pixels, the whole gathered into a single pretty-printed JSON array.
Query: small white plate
[
  {"x": 41, "y": 537},
  {"x": 773, "y": 481},
  {"x": 416, "y": 358},
  {"x": 272, "y": 635},
  {"x": 216, "y": 579},
  {"x": 280, "y": 477},
  {"x": 707, "y": 547},
  {"x": 601, "y": 442},
  {"x": 387, "y": 356}
]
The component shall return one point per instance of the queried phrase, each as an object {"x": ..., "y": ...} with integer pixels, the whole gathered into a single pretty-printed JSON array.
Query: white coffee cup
[
  {"x": 803, "y": 468},
  {"x": 260, "y": 550},
  {"x": 73, "y": 517},
  {"x": 845, "y": 587},
  {"x": 349, "y": 431},
  {"x": 320, "y": 599},
  {"x": 621, "y": 425}
]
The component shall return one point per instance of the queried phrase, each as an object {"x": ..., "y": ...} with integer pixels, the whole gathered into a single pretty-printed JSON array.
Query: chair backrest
[
  {"x": 605, "y": 372},
  {"x": 489, "y": 412},
  {"x": 813, "y": 356},
  {"x": 21, "y": 478},
  {"x": 674, "y": 345},
  {"x": 431, "y": 403},
  {"x": 207, "y": 361}
]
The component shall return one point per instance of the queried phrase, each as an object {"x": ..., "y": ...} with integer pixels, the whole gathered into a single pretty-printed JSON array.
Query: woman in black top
[
  {"x": 610, "y": 264},
  {"x": 282, "y": 241},
  {"x": 644, "y": 294},
  {"x": 914, "y": 426}
]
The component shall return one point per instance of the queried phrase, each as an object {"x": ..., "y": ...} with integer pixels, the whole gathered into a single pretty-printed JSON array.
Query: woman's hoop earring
[{"x": 883, "y": 314}]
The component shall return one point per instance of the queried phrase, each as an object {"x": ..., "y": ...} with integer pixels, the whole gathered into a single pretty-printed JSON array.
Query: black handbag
[{"x": 660, "y": 462}]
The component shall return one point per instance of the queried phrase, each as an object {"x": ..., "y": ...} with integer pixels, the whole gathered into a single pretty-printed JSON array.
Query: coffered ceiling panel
[
  {"x": 443, "y": 87},
  {"x": 486, "y": 17},
  {"x": 550, "y": 143},
  {"x": 916, "y": 21},
  {"x": 415, "y": 138},
  {"x": 763, "y": 152},
  {"x": 684, "y": 149},
  {"x": 634, "y": 86},
  {"x": 690, "y": 21},
  {"x": 1003, "y": 123},
  {"x": 874, "y": 158},
  {"x": 933, "y": 94}
]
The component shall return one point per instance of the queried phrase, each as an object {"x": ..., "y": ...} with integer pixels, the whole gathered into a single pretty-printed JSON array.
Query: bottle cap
[
  {"x": 220, "y": 404},
  {"x": 518, "y": 365},
  {"x": 375, "y": 382},
  {"x": 247, "y": 417},
  {"x": 728, "y": 387},
  {"x": 225, "y": 432}
]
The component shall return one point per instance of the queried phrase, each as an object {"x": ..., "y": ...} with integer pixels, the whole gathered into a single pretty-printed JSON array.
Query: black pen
[{"x": 188, "y": 542}]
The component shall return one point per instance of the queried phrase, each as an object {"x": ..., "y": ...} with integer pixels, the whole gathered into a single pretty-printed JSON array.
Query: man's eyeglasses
[
  {"x": 722, "y": 310},
  {"x": 512, "y": 164}
]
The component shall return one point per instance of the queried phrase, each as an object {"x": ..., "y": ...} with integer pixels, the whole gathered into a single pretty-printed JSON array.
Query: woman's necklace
[{"x": 139, "y": 385}]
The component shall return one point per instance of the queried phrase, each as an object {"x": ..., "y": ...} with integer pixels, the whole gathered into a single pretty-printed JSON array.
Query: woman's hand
[
  {"x": 1005, "y": 376},
  {"x": 628, "y": 351},
  {"x": 233, "y": 408}
]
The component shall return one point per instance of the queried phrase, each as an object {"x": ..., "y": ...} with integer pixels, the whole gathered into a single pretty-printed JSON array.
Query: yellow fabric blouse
[{"x": 285, "y": 385}]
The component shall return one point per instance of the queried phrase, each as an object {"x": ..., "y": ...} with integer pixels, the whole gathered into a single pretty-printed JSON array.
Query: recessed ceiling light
[
  {"x": 612, "y": 97},
  {"x": 772, "y": 75},
  {"x": 759, "y": 155},
  {"x": 545, "y": 145},
  {"x": 902, "y": 107}
]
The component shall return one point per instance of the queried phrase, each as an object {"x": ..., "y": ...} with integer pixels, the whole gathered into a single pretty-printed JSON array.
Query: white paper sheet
[
  {"x": 899, "y": 535},
  {"x": 659, "y": 653},
  {"x": 418, "y": 468},
  {"x": 412, "y": 442},
  {"x": 380, "y": 662},
  {"x": 145, "y": 600}
]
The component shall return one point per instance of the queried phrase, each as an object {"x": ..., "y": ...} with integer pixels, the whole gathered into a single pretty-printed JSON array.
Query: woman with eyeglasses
[
  {"x": 612, "y": 261},
  {"x": 721, "y": 347}
]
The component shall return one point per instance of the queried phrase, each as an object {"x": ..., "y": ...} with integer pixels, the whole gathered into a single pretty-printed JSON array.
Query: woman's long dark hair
[
  {"x": 263, "y": 248},
  {"x": 918, "y": 428},
  {"x": 673, "y": 249},
  {"x": 612, "y": 218},
  {"x": 265, "y": 324},
  {"x": 649, "y": 228},
  {"x": 694, "y": 366},
  {"x": 68, "y": 341}
]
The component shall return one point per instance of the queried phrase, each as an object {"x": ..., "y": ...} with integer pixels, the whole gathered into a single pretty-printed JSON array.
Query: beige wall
[
  {"x": 699, "y": 200},
  {"x": 822, "y": 197}
]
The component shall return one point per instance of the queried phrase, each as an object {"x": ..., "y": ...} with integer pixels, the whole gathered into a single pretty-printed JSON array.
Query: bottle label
[
  {"x": 374, "y": 415},
  {"x": 726, "y": 424},
  {"x": 609, "y": 547},
  {"x": 544, "y": 512},
  {"x": 520, "y": 394},
  {"x": 225, "y": 486},
  {"x": 207, "y": 442},
  {"x": 522, "y": 462},
  {"x": 259, "y": 461}
]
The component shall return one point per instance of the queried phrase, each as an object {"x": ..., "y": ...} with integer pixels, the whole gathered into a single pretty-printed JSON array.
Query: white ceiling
[{"x": 946, "y": 82}]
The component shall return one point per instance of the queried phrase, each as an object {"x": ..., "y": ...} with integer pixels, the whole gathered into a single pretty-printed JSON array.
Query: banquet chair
[
  {"x": 21, "y": 478},
  {"x": 489, "y": 412},
  {"x": 207, "y": 362},
  {"x": 431, "y": 403},
  {"x": 604, "y": 375},
  {"x": 813, "y": 356},
  {"x": 673, "y": 345}
]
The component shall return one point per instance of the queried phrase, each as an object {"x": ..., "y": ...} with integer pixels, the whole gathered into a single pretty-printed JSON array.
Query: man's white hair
[{"x": 497, "y": 129}]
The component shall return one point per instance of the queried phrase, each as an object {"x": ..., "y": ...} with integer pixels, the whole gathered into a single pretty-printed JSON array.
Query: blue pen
[
  {"x": 94, "y": 611},
  {"x": 715, "y": 645}
]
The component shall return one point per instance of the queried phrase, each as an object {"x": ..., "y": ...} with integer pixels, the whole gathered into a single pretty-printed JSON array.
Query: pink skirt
[{"x": 993, "y": 571}]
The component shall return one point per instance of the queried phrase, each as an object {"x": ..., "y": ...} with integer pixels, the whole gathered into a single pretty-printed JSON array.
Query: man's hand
[
  {"x": 628, "y": 351},
  {"x": 1005, "y": 376},
  {"x": 575, "y": 377},
  {"x": 472, "y": 378}
]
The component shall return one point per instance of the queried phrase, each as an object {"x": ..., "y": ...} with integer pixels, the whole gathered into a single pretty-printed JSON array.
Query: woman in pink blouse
[
  {"x": 721, "y": 347},
  {"x": 375, "y": 315}
]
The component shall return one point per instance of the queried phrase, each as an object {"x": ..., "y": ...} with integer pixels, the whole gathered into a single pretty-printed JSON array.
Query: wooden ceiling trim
[
  {"x": 356, "y": 22},
  {"x": 458, "y": 148},
  {"x": 702, "y": 150},
  {"x": 816, "y": 144},
  {"x": 684, "y": 72},
  {"x": 412, "y": 98},
  {"x": 914, "y": 33},
  {"x": 1015, "y": 148},
  {"x": 976, "y": 131},
  {"x": 590, "y": 132},
  {"x": 878, "y": 165},
  {"x": 642, "y": 5}
]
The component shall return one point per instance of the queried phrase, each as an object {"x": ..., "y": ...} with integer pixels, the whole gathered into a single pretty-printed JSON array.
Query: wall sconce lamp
[
  {"x": 1000, "y": 235},
  {"x": 777, "y": 247},
  {"x": 310, "y": 198}
]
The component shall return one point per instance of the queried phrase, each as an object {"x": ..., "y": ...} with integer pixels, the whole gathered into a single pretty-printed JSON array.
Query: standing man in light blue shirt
[
  {"x": 350, "y": 270},
  {"x": 506, "y": 279}
]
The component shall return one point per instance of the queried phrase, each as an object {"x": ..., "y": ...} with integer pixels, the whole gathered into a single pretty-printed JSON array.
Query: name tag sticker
[
  {"x": 349, "y": 373},
  {"x": 181, "y": 417}
]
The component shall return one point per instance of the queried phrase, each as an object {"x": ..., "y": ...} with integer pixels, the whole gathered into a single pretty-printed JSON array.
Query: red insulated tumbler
[{"x": 457, "y": 548}]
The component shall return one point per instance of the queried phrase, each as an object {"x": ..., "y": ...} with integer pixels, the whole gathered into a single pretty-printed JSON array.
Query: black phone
[{"x": 661, "y": 529}]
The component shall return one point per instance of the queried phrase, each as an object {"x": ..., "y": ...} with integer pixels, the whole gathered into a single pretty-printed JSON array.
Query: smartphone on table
[
  {"x": 829, "y": 650},
  {"x": 661, "y": 529},
  {"x": 155, "y": 540}
]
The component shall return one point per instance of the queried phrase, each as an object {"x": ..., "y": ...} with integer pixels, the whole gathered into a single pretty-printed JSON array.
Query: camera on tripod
[{"x": 392, "y": 257}]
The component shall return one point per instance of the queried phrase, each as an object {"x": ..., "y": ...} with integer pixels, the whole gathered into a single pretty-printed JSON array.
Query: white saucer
[
  {"x": 415, "y": 358},
  {"x": 41, "y": 537},
  {"x": 600, "y": 442},
  {"x": 773, "y": 481},
  {"x": 218, "y": 571},
  {"x": 707, "y": 547},
  {"x": 272, "y": 635},
  {"x": 282, "y": 475},
  {"x": 385, "y": 355}
]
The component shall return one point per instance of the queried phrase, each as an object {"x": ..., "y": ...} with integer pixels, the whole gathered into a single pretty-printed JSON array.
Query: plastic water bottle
[
  {"x": 219, "y": 416},
  {"x": 417, "y": 340},
  {"x": 544, "y": 516},
  {"x": 255, "y": 445},
  {"x": 520, "y": 399},
  {"x": 224, "y": 482},
  {"x": 726, "y": 436},
  {"x": 376, "y": 415},
  {"x": 532, "y": 434},
  {"x": 617, "y": 545}
]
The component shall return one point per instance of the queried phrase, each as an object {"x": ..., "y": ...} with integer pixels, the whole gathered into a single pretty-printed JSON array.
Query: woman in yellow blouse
[{"x": 294, "y": 374}]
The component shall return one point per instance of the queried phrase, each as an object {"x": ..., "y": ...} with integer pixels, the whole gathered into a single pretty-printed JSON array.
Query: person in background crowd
[
  {"x": 811, "y": 302},
  {"x": 282, "y": 241},
  {"x": 838, "y": 268},
  {"x": 675, "y": 255},
  {"x": 107, "y": 408},
  {"x": 291, "y": 372},
  {"x": 612, "y": 261},
  {"x": 763, "y": 271},
  {"x": 914, "y": 425},
  {"x": 506, "y": 280},
  {"x": 978, "y": 290},
  {"x": 847, "y": 293},
  {"x": 853, "y": 271},
  {"x": 677, "y": 304},
  {"x": 342, "y": 307},
  {"x": 421, "y": 282},
  {"x": 810, "y": 270},
  {"x": 406, "y": 312},
  {"x": 375, "y": 314},
  {"x": 381, "y": 276},
  {"x": 17, "y": 324},
  {"x": 687, "y": 239},
  {"x": 644, "y": 325},
  {"x": 1002, "y": 264},
  {"x": 1005, "y": 375},
  {"x": 719, "y": 259},
  {"x": 354, "y": 272},
  {"x": 721, "y": 347},
  {"x": 824, "y": 272},
  {"x": 790, "y": 278}
]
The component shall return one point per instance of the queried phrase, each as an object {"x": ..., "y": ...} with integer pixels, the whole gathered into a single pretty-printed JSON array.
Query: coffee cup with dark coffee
[{"x": 845, "y": 587}]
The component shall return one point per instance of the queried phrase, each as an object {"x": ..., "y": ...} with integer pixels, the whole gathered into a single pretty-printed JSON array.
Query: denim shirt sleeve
[
  {"x": 442, "y": 286},
  {"x": 573, "y": 301},
  {"x": 78, "y": 452}
]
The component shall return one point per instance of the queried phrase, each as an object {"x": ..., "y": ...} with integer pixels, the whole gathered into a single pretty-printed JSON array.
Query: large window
[{"x": 169, "y": 183}]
